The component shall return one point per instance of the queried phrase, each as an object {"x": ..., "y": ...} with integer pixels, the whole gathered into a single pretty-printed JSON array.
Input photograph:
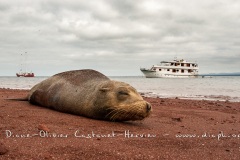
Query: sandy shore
[{"x": 177, "y": 129}]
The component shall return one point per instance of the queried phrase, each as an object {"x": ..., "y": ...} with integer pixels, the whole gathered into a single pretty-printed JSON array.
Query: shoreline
[
  {"x": 222, "y": 98},
  {"x": 195, "y": 97},
  {"x": 176, "y": 129}
]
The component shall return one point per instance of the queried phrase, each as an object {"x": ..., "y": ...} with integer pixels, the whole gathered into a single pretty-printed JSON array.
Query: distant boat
[
  {"x": 172, "y": 69},
  {"x": 25, "y": 73}
]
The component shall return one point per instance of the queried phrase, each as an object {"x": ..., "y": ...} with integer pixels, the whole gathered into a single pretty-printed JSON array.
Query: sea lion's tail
[{"x": 18, "y": 99}]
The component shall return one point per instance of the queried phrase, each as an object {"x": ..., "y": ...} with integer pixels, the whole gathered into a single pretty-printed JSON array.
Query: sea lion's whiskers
[
  {"x": 136, "y": 113},
  {"x": 115, "y": 114},
  {"x": 112, "y": 114},
  {"x": 129, "y": 114},
  {"x": 112, "y": 111},
  {"x": 132, "y": 112},
  {"x": 119, "y": 112}
]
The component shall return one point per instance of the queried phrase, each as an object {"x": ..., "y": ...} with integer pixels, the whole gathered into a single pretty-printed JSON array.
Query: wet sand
[{"x": 177, "y": 129}]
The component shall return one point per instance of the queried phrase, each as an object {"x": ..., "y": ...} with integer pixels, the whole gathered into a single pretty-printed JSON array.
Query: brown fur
[{"x": 91, "y": 94}]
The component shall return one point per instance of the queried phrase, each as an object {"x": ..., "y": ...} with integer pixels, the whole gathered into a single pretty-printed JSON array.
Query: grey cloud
[{"x": 75, "y": 34}]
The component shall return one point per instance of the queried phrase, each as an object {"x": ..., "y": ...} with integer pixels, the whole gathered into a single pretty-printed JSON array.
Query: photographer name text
[{"x": 79, "y": 134}]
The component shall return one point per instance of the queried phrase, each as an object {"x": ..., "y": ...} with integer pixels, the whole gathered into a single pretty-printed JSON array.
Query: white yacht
[{"x": 172, "y": 69}]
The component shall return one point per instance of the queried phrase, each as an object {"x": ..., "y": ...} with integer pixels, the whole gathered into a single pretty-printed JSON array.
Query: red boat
[
  {"x": 25, "y": 74},
  {"x": 23, "y": 64}
]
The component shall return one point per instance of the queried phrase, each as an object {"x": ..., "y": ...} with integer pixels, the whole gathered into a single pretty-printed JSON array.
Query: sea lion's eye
[
  {"x": 123, "y": 93},
  {"x": 104, "y": 89}
]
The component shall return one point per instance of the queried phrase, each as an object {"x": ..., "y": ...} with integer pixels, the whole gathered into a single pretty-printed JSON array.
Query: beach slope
[{"x": 177, "y": 129}]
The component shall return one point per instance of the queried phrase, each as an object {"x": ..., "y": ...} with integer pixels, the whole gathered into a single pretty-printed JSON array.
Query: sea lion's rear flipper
[
  {"x": 37, "y": 97},
  {"x": 18, "y": 99}
]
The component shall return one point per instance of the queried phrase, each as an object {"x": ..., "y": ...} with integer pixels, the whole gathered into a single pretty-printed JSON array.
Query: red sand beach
[{"x": 177, "y": 129}]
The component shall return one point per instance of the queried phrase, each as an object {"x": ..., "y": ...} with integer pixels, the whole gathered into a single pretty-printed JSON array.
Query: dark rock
[
  {"x": 177, "y": 119},
  {"x": 3, "y": 149}
]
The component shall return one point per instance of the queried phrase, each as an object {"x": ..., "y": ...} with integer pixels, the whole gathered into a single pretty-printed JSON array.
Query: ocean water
[{"x": 209, "y": 88}]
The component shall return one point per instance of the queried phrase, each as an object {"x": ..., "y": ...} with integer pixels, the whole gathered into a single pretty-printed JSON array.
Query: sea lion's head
[{"x": 121, "y": 102}]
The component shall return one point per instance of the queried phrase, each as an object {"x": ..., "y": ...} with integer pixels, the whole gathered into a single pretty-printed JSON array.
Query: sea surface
[{"x": 209, "y": 88}]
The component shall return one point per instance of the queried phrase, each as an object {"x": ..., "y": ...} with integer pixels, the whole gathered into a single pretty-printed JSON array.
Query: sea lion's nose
[{"x": 149, "y": 107}]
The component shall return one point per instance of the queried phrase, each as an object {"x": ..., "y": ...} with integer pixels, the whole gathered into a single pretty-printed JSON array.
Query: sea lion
[{"x": 91, "y": 94}]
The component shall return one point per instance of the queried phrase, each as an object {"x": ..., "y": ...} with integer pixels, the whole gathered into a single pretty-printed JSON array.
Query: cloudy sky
[{"x": 117, "y": 37}]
